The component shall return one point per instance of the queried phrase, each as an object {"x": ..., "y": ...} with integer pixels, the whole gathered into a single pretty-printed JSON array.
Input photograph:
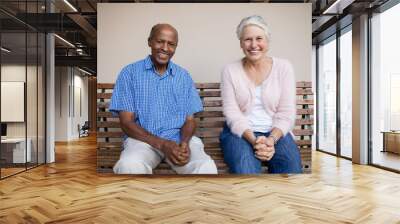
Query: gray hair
[
  {"x": 156, "y": 28},
  {"x": 254, "y": 20}
]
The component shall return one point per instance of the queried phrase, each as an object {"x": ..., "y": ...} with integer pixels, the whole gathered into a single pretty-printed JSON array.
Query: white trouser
[{"x": 141, "y": 158}]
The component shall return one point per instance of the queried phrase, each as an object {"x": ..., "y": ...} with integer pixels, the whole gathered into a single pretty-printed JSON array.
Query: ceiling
[{"x": 76, "y": 22}]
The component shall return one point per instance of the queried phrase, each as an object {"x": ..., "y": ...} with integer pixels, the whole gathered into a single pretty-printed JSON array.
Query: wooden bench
[{"x": 209, "y": 126}]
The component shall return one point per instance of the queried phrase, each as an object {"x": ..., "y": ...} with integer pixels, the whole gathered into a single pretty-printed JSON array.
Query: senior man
[{"x": 155, "y": 100}]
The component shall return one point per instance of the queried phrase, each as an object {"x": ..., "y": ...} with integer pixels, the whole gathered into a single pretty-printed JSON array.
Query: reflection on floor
[
  {"x": 10, "y": 171},
  {"x": 346, "y": 151},
  {"x": 386, "y": 159}
]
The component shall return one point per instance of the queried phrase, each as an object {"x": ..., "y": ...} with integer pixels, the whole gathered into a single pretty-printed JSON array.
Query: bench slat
[
  {"x": 301, "y": 132},
  {"x": 215, "y": 93},
  {"x": 304, "y": 142},
  {"x": 214, "y": 85},
  {"x": 212, "y": 103},
  {"x": 210, "y": 124},
  {"x": 203, "y": 94},
  {"x": 300, "y": 84},
  {"x": 104, "y": 114},
  {"x": 200, "y": 133},
  {"x": 200, "y": 124},
  {"x": 309, "y": 111},
  {"x": 109, "y": 144},
  {"x": 108, "y": 124},
  {"x": 104, "y": 95},
  {"x": 303, "y": 84},
  {"x": 304, "y": 121},
  {"x": 110, "y": 134},
  {"x": 105, "y": 85},
  {"x": 208, "y": 133},
  {"x": 304, "y": 92},
  {"x": 206, "y": 103},
  {"x": 204, "y": 114},
  {"x": 210, "y": 146},
  {"x": 304, "y": 101},
  {"x": 103, "y": 105},
  {"x": 306, "y": 154}
]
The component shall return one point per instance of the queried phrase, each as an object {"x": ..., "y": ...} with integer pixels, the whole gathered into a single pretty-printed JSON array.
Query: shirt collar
[{"x": 148, "y": 63}]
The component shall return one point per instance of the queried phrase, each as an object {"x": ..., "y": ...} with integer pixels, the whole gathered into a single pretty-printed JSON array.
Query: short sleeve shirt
[{"x": 160, "y": 103}]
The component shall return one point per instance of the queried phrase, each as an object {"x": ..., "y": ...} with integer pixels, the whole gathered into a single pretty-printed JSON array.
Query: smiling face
[
  {"x": 254, "y": 43},
  {"x": 163, "y": 43}
]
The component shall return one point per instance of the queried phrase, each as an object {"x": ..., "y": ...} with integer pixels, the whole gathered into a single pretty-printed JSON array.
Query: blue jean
[{"x": 239, "y": 154}]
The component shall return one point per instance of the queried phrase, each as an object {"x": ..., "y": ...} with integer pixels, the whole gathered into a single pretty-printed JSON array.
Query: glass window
[
  {"x": 346, "y": 94},
  {"x": 31, "y": 96},
  {"x": 14, "y": 153},
  {"x": 22, "y": 91},
  {"x": 385, "y": 88},
  {"x": 327, "y": 96}
]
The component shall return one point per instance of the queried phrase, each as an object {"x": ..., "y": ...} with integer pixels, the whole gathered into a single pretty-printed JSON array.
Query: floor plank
[{"x": 70, "y": 191}]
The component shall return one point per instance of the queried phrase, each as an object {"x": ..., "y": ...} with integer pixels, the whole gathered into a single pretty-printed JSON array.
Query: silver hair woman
[
  {"x": 255, "y": 21},
  {"x": 258, "y": 94}
]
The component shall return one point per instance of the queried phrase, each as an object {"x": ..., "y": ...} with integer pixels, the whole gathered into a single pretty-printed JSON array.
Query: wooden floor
[{"x": 70, "y": 191}]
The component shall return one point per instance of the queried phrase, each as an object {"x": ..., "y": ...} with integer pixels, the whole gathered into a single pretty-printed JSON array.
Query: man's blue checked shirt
[{"x": 160, "y": 103}]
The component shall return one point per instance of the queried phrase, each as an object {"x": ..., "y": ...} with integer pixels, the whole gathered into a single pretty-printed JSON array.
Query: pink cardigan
[{"x": 278, "y": 96}]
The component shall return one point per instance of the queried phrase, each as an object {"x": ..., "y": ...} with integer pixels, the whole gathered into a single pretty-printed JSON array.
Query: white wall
[
  {"x": 79, "y": 117},
  {"x": 62, "y": 80},
  {"x": 69, "y": 82},
  {"x": 207, "y": 39},
  {"x": 13, "y": 73}
]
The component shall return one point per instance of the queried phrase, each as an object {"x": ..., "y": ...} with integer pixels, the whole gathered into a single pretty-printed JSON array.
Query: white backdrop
[{"x": 207, "y": 38}]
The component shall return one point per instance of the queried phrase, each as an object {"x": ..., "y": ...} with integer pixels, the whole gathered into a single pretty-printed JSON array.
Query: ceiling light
[
  {"x": 65, "y": 41},
  {"x": 84, "y": 71},
  {"x": 70, "y": 5},
  {"x": 5, "y": 50},
  {"x": 337, "y": 7}
]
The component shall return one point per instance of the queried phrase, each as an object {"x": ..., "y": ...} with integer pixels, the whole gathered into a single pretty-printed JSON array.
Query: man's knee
[
  {"x": 200, "y": 162},
  {"x": 196, "y": 143},
  {"x": 207, "y": 166},
  {"x": 200, "y": 165},
  {"x": 124, "y": 166}
]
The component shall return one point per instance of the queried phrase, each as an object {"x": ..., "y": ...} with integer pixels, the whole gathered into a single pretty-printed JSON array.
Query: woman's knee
[
  {"x": 239, "y": 155},
  {"x": 246, "y": 165},
  {"x": 287, "y": 157}
]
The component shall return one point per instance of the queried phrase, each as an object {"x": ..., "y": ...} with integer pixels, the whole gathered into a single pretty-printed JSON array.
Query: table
[
  {"x": 391, "y": 141},
  {"x": 16, "y": 147}
]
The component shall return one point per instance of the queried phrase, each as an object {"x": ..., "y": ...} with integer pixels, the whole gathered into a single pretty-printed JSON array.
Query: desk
[
  {"x": 15, "y": 148},
  {"x": 391, "y": 141}
]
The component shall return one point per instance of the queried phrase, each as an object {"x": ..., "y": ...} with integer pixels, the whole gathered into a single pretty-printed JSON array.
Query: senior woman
[{"x": 259, "y": 103}]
